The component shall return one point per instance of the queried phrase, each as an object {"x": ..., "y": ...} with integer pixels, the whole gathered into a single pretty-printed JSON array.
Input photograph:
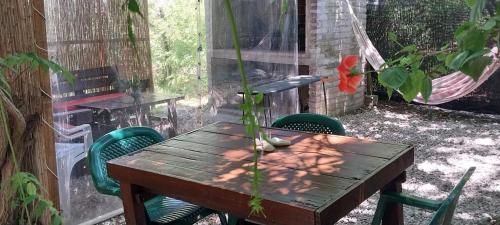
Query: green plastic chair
[
  {"x": 444, "y": 209},
  {"x": 309, "y": 122},
  {"x": 160, "y": 209}
]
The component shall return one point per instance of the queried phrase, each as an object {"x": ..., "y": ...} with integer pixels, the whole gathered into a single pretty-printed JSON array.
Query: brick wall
[{"x": 329, "y": 38}]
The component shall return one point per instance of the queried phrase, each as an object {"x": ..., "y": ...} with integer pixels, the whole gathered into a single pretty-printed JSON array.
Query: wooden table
[
  {"x": 120, "y": 107},
  {"x": 317, "y": 180}
]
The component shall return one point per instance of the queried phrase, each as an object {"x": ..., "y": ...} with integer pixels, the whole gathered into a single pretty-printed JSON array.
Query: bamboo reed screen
[
  {"x": 22, "y": 30},
  {"x": 85, "y": 34}
]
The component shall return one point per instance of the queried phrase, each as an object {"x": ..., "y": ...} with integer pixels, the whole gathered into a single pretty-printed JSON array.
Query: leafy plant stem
[
  {"x": 249, "y": 118},
  {"x": 7, "y": 131}
]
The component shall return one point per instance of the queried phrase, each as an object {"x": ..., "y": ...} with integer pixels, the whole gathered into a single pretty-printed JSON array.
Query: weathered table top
[
  {"x": 283, "y": 85},
  {"x": 125, "y": 102},
  {"x": 316, "y": 180}
]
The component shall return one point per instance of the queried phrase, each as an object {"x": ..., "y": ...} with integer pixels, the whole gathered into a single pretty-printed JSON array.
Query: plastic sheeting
[
  {"x": 90, "y": 39},
  {"x": 268, "y": 32}
]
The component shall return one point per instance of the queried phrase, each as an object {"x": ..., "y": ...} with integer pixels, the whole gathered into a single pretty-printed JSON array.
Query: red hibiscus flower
[{"x": 349, "y": 77}]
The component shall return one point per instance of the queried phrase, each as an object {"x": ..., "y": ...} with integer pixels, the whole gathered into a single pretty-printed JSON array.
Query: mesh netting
[{"x": 428, "y": 24}]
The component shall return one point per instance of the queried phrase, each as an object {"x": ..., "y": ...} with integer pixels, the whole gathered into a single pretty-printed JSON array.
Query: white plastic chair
[{"x": 68, "y": 154}]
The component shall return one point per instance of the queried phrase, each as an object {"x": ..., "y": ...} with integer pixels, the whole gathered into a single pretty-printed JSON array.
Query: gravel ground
[{"x": 447, "y": 144}]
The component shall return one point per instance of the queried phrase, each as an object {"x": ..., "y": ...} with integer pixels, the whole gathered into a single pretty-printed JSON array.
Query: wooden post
[
  {"x": 47, "y": 134},
  {"x": 393, "y": 214},
  {"x": 149, "y": 63},
  {"x": 133, "y": 204}
]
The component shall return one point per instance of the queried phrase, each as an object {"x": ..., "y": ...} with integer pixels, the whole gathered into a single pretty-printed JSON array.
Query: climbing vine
[{"x": 24, "y": 189}]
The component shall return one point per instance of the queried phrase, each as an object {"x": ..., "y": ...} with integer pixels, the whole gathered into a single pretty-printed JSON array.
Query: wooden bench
[{"x": 90, "y": 85}]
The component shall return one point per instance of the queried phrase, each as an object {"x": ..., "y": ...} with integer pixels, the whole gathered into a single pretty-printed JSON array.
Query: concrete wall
[{"x": 329, "y": 37}]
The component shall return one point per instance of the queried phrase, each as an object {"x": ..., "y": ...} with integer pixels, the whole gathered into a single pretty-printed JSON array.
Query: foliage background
[{"x": 174, "y": 45}]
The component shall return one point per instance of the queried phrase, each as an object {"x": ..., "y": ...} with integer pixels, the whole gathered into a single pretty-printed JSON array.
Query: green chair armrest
[{"x": 412, "y": 200}]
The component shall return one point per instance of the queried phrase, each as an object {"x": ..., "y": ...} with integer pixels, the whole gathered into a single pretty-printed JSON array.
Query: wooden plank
[
  {"x": 280, "y": 183},
  {"x": 307, "y": 159},
  {"x": 94, "y": 41},
  {"x": 262, "y": 56},
  {"x": 125, "y": 102},
  {"x": 301, "y": 142},
  {"x": 286, "y": 84},
  {"x": 47, "y": 134},
  {"x": 217, "y": 197},
  {"x": 338, "y": 208},
  {"x": 107, "y": 72},
  {"x": 82, "y": 85},
  {"x": 346, "y": 165},
  {"x": 327, "y": 142}
]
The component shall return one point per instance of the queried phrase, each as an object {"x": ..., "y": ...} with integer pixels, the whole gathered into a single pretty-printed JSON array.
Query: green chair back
[
  {"x": 444, "y": 214},
  {"x": 444, "y": 209},
  {"x": 309, "y": 122},
  {"x": 113, "y": 145}
]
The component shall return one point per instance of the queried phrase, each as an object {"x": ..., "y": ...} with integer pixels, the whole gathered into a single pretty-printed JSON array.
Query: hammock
[{"x": 444, "y": 89}]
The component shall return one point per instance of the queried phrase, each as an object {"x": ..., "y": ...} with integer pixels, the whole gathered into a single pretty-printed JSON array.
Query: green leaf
[
  {"x": 389, "y": 92},
  {"x": 259, "y": 97},
  {"x": 472, "y": 39},
  {"x": 69, "y": 77},
  {"x": 392, "y": 37},
  {"x": 490, "y": 24},
  {"x": 475, "y": 67},
  {"x": 393, "y": 77},
  {"x": 441, "y": 57},
  {"x": 477, "y": 7},
  {"x": 410, "y": 48},
  {"x": 459, "y": 60},
  {"x": 56, "y": 220},
  {"x": 449, "y": 59},
  {"x": 130, "y": 31},
  {"x": 462, "y": 28},
  {"x": 4, "y": 85},
  {"x": 413, "y": 85},
  {"x": 470, "y": 3},
  {"x": 133, "y": 6},
  {"x": 426, "y": 89},
  {"x": 31, "y": 189},
  {"x": 28, "y": 200},
  {"x": 41, "y": 207},
  {"x": 446, "y": 46}
]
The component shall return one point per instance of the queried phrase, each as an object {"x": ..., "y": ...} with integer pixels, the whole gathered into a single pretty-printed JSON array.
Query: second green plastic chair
[
  {"x": 444, "y": 209},
  {"x": 160, "y": 210},
  {"x": 309, "y": 122}
]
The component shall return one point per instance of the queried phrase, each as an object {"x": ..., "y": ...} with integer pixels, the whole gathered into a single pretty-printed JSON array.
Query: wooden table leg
[
  {"x": 324, "y": 96},
  {"x": 133, "y": 204},
  {"x": 393, "y": 214},
  {"x": 172, "y": 118}
]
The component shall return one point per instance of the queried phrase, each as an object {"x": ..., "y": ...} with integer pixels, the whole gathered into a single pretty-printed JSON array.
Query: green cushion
[
  {"x": 166, "y": 210},
  {"x": 309, "y": 122}
]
